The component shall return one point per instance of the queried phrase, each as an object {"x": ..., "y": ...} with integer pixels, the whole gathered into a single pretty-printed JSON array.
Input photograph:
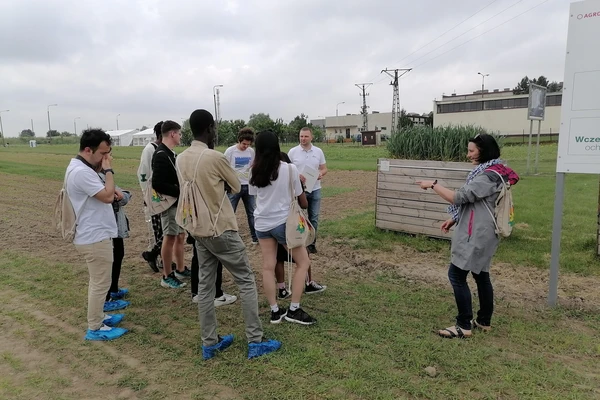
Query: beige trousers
[{"x": 99, "y": 259}]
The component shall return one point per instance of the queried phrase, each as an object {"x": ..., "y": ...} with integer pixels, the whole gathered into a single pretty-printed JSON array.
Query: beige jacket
[{"x": 211, "y": 171}]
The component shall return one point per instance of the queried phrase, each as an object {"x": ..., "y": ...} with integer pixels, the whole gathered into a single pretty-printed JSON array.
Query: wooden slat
[
  {"x": 428, "y": 173},
  {"x": 413, "y": 205},
  {"x": 413, "y": 229},
  {"x": 425, "y": 197},
  {"x": 406, "y": 188},
  {"x": 426, "y": 163},
  {"x": 426, "y": 222},
  {"x": 449, "y": 183},
  {"x": 410, "y": 212}
]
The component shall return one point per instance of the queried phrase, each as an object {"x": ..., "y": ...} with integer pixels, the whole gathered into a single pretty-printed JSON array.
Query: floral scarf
[{"x": 453, "y": 209}]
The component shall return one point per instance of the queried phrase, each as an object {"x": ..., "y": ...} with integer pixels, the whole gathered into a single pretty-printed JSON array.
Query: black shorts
[{"x": 282, "y": 254}]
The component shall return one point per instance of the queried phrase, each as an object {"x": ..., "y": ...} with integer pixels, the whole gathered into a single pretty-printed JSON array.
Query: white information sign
[
  {"x": 536, "y": 108},
  {"x": 579, "y": 138}
]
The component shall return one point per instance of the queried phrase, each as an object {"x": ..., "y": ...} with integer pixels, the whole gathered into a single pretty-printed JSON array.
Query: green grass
[{"x": 373, "y": 341}]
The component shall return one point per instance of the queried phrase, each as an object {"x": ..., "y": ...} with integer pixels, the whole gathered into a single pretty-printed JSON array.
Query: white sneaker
[
  {"x": 195, "y": 299},
  {"x": 225, "y": 299}
]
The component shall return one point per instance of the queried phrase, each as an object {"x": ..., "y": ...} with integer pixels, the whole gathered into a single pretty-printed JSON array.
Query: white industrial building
[
  {"x": 144, "y": 137},
  {"x": 498, "y": 111},
  {"x": 123, "y": 137},
  {"x": 350, "y": 125}
]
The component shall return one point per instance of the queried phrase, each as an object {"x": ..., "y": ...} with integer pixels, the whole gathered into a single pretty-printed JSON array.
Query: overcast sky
[{"x": 152, "y": 60}]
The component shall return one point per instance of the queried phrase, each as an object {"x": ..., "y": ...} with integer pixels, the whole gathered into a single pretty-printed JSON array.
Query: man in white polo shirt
[
  {"x": 96, "y": 226},
  {"x": 302, "y": 156}
]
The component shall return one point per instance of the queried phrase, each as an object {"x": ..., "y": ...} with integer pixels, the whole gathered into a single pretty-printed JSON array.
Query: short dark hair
[
  {"x": 169, "y": 126},
  {"x": 245, "y": 134},
  {"x": 92, "y": 138},
  {"x": 158, "y": 129},
  {"x": 487, "y": 146},
  {"x": 200, "y": 121}
]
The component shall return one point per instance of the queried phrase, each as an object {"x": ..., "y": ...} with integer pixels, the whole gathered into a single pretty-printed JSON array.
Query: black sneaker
[
  {"x": 283, "y": 294},
  {"x": 312, "y": 249},
  {"x": 299, "y": 316},
  {"x": 151, "y": 260},
  {"x": 176, "y": 280},
  {"x": 313, "y": 287},
  {"x": 277, "y": 317}
]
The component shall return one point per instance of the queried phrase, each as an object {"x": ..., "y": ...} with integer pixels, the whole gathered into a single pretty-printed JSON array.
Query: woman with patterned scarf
[{"x": 474, "y": 241}]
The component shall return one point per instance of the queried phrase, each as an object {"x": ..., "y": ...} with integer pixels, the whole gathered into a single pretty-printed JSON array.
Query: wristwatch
[
  {"x": 434, "y": 183},
  {"x": 106, "y": 171}
]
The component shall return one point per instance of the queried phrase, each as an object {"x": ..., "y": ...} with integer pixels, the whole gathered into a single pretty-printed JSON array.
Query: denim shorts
[{"x": 277, "y": 233}]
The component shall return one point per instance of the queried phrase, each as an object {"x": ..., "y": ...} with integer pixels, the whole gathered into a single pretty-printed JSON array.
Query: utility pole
[
  {"x": 75, "y": 125},
  {"x": 118, "y": 121},
  {"x": 2, "y": 128},
  {"x": 32, "y": 126},
  {"x": 396, "y": 102},
  {"x": 48, "y": 109},
  {"x": 215, "y": 96},
  {"x": 365, "y": 113}
]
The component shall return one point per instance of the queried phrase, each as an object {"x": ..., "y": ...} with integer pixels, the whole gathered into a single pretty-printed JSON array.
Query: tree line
[{"x": 227, "y": 130}]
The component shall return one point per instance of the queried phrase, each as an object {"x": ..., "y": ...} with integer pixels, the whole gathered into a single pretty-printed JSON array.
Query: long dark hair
[{"x": 266, "y": 161}]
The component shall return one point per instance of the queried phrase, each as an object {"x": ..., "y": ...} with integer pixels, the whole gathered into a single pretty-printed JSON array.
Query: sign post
[
  {"x": 579, "y": 137},
  {"x": 536, "y": 111}
]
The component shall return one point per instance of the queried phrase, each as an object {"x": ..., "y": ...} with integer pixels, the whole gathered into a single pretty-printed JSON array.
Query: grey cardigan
[{"x": 474, "y": 241}]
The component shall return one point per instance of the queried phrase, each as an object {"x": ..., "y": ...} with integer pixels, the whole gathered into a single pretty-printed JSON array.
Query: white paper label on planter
[{"x": 384, "y": 166}]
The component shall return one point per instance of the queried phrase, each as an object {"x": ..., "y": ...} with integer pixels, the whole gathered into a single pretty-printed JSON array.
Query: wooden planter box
[{"x": 402, "y": 206}]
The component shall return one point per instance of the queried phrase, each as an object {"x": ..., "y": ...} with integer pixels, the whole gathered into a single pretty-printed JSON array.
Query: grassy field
[{"x": 374, "y": 339}]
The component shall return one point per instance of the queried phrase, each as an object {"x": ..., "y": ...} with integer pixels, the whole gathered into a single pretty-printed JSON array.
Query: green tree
[
  {"x": 555, "y": 87},
  {"x": 293, "y": 128},
  {"x": 143, "y": 128},
  {"x": 429, "y": 119},
  {"x": 542, "y": 81},
  {"x": 27, "y": 133},
  {"x": 67, "y": 134},
  {"x": 523, "y": 86},
  {"x": 186, "y": 133},
  {"x": 261, "y": 122},
  {"x": 405, "y": 121},
  {"x": 53, "y": 133},
  {"x": 228, "y": 130}
]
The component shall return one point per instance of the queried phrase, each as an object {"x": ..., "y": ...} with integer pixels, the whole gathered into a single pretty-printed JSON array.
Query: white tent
[
  {"x": 122, "y": 137},
  {"x": 144, "y": 137}
]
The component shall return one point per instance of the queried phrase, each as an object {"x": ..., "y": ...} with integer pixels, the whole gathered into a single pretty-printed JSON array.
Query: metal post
[
  {"x": 556, "y": 234},
  {"x": 216, "y": 114},
  {"x": 529, "y": 148},
  {"x": 75, "y": 125},
  {"x": 537, "y": 149},
  {"x": 32, "y": 126},
  {"x": 336, "y": 107},
  {"x": 2, "y": 128},
  {"x": 118, "y": 121}
]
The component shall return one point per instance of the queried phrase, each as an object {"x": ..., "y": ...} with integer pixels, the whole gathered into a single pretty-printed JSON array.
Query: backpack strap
[{"x": 291, "y": 180}]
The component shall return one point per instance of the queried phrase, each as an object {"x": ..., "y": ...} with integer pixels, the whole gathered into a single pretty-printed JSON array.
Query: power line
[
  {"x": 489, "y": 30},
  {"x": 469, "y": 30},
  {"x": 449, "y": 30}
]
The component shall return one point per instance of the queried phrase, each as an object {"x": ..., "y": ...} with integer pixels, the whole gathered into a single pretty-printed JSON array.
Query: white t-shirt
[
  {"x": 145, "y": 168},
  {"x": 312, "y": 158},
  {"x": 240, "y": 161},
  {"x": 95, "y": 220},
  {"x": 273, "y": 202}
]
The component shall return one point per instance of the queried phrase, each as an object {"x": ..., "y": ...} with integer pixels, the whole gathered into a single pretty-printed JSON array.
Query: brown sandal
[
  {"x": 484, "y": 328},
  {"x": 455, "y": 332}
]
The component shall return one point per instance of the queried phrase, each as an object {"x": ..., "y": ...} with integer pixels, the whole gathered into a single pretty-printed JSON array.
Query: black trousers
[
  {"x": 118, "y": 254},
  {"x": 462, "y": 295}
]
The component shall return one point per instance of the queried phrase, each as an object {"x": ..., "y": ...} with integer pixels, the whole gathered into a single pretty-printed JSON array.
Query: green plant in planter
[{"x": 443, "y": 143}]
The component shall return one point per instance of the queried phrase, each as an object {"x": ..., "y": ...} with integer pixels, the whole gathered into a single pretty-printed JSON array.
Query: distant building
[
  {"x": 498, "y": 111},
  {"x": 350, "y": 125}
]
